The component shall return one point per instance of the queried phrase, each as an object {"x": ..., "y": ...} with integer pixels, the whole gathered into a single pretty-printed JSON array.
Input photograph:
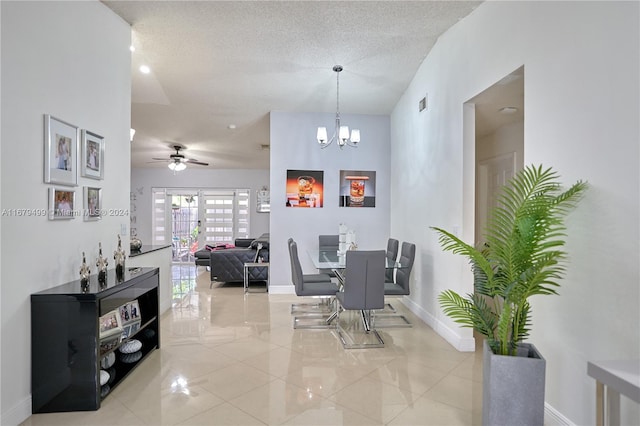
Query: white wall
[
  {"x": 506, "y": 139},
  {"x": 142, "y": 180},
  {"x": 294, "y": 147},
  {"x": 581, "y": 118},
  {"x": 71, "y": 60}
]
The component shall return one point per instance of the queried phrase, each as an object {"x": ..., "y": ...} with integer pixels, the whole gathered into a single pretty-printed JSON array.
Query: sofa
[{"x": 226, "y": 264}]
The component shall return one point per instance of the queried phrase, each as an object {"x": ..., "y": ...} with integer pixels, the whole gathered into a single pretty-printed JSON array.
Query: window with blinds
[{"x": 161, "y": 216}]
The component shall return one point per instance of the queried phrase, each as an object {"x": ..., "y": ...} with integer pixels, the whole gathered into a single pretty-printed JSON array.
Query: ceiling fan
[{"x": 178, "y": 161}]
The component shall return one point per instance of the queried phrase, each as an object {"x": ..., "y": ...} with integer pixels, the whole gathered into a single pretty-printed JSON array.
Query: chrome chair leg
[{"x": 322, "y": 307}]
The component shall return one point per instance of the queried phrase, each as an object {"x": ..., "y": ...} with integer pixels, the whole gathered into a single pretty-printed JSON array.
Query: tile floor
[{"x": 227, "y": 358}]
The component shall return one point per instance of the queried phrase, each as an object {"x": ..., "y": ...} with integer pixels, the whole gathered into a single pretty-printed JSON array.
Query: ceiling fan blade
[
  {"x": 196, "y": 162},
  {"x": 159, "y": 159}
]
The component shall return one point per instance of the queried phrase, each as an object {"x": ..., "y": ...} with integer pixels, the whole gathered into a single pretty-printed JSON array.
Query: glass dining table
[{"x": 330, "y": 259}]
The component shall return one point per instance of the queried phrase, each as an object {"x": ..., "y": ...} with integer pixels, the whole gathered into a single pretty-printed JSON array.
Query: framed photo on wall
[
  {"x": 357, "y": 188},
  {"x": 92, "y": 203},
  {"x": 305, "y": 188},
  {"x": 92, "y": 155},
  {"x": 62, "y": 203},
  {"x": 60, "y": 151}
]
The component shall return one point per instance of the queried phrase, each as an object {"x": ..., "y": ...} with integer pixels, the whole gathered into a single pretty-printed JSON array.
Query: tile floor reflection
[{"x": 227, "y": 358}]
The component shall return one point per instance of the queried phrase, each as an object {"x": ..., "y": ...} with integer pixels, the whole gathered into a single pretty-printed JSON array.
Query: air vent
[{"x": 422, "y": 105}]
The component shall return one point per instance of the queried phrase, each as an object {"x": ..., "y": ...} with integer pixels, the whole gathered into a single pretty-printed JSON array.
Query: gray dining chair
[
  {"x": 363, "y": 291},
  {"x": 399, "y": 287},
  {"x": 328, "y": 243},
  {"x": 392, "y": 255},
  {"x": 313, "y": 315}
]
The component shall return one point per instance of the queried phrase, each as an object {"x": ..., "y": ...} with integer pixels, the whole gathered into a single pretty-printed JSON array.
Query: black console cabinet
[{"x": 65, "y": 339}]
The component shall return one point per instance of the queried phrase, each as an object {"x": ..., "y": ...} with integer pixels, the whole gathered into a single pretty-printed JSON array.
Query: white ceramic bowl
[
  {"x": 131, "y": 358},
  {"x": 112, "y": 375},
  {"x": 104, "y": 390},
  {"x": 131, "y": 346},
  {"x": 108, "y": 360},
  {"x": 104, "y": 377}
]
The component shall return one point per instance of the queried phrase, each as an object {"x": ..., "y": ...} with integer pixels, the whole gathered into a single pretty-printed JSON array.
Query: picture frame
[
  {"x": 92, "y": 203},
  {"x": 357, "y": 188},
  {"x": 62, "y": 203},
  {"x": 110, "y": 324},
  {"x": 60, "y": 151},
  {"x": 109, "y": 343},
  {"x": 130, "y": 329},
  {"x": 305, "y": 188},
  {"x": 92, "y": 158},
  {"x": 129, "y": 312},
  {"x": 263, "y": 204}
]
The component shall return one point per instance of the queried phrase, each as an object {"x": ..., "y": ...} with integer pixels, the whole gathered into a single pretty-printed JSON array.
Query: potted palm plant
[{"x": 523, "y": 256}]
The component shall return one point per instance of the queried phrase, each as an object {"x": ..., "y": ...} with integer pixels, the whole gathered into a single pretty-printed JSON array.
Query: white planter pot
[{"x": 513, "y": 387}]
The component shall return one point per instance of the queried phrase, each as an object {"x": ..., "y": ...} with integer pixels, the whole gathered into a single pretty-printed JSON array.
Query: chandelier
[{"x": 341, "y": 133}]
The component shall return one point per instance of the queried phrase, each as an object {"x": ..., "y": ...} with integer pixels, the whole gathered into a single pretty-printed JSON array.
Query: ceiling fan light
[
  {"x": 172, "y": 166},
  {"x": 180, "y": 166}
]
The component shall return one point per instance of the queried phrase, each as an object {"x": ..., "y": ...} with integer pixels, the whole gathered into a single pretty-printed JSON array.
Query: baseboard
[
  {"x": 165, "y": 305},
  {"x": 553, "y": 417},
  {"x": 461, "y": 344},
  {"x": 281, "y": 289},
  {"x": 17, "y": 414}
]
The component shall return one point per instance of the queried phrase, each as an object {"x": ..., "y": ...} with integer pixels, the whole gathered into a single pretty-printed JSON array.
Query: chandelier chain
[{"x": 338, "y": 94}]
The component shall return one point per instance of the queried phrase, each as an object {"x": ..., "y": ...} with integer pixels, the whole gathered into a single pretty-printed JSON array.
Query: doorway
[
  {"x": 499, "y": 143},
  {"x": 494, "y": 142},
  {"x": 190, "y": 218},
  {"x": 185, "y": 227}
]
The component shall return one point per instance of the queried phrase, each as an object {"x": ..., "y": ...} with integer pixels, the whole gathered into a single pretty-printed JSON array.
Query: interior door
[{"x": 493, "y": 174}]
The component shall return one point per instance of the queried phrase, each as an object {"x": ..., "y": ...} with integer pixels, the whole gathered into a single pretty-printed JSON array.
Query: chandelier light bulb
[
  {"x": 322, "y": 135},
  {"x": 344, "y": 133},
  {"x": 355, "y": 136}
]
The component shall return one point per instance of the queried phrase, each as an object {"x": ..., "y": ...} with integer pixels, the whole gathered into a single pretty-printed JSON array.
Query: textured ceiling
[{"x": 217, "y": 63}]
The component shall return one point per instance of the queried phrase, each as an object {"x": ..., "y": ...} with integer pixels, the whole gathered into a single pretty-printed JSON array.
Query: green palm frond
[{"x": 523, "y": 257}]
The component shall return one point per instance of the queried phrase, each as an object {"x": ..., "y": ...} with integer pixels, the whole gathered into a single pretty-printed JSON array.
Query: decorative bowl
[
  {"x": 131, "y": 346},
  {"x": 108, "y": 360},
  {"x": 148, "y": 333},
  {"x": 104, "y": 390},
  {"x": 131, "y": 358},
  {"x": 104, "y": 377},
  {"x": 112, "y": 375}
]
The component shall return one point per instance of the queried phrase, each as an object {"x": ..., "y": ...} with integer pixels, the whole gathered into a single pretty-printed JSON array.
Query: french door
[{"x": 189, "y": 219}]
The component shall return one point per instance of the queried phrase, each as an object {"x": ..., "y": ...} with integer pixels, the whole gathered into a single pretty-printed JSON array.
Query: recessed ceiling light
[
  {"x": 231, "y": 126},
  {"x": 132, "y": 48},
  {"x": 144, "y": 69},
  {"x": 508, "y": 110}
]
